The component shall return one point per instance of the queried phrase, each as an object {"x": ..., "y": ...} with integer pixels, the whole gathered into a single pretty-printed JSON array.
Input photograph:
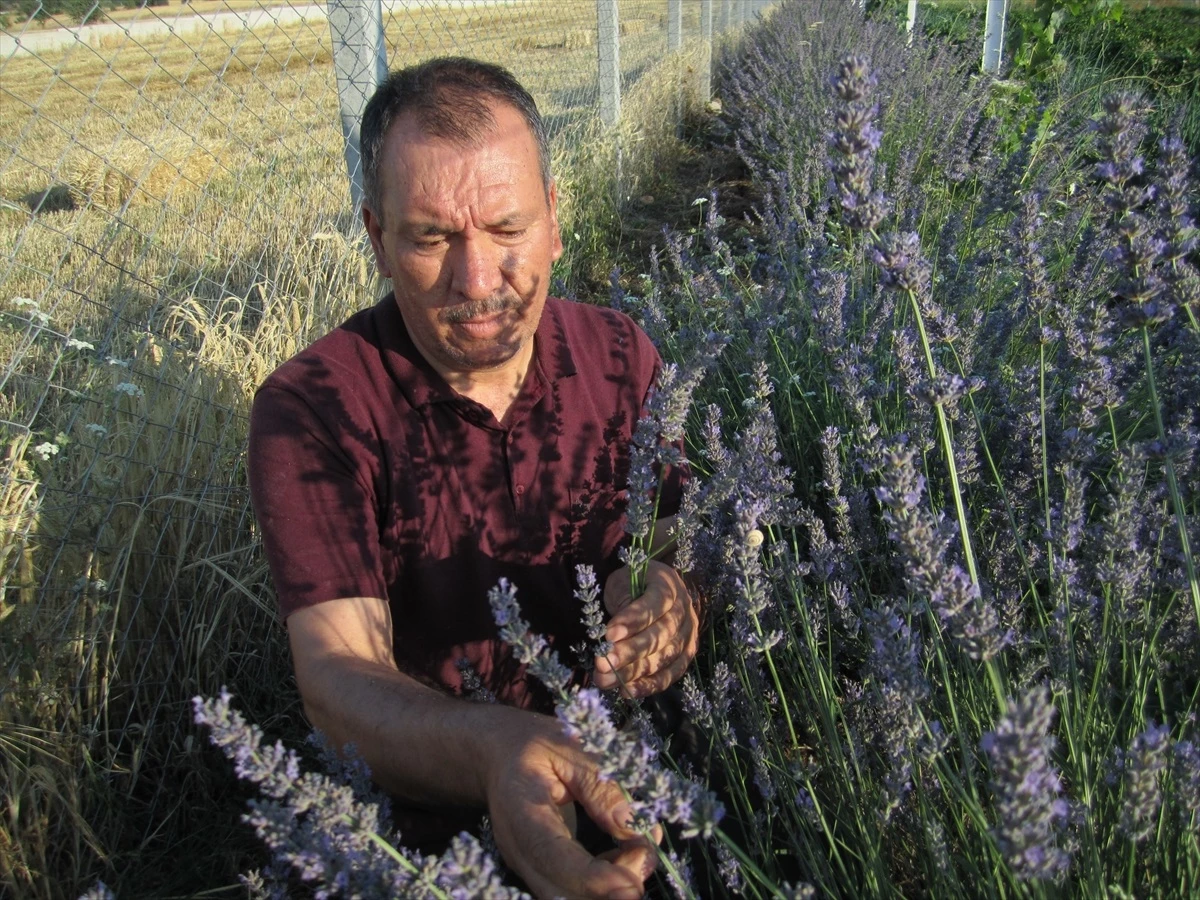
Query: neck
[{"x": 497, "y": 388}]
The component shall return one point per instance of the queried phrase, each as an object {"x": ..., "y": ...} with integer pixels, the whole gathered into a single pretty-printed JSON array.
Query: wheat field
[{"x": 175, "y": 222}]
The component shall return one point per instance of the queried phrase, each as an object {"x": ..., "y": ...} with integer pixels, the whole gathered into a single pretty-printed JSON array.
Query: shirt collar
[{"x": 421, "y": 383}]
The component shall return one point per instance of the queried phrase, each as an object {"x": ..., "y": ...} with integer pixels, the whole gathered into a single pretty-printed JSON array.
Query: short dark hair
[{"x": 449, "y": 98}]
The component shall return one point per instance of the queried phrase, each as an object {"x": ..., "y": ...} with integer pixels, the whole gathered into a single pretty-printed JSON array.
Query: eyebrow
[{"x": 431, "y": 229}]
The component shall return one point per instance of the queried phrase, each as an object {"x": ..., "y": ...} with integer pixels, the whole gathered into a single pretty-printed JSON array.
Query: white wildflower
[
  {"x": 699, "y": 201},
  {"x": 96, "y": 429},
  {"x": 131, "y": 389},
  {"x": 39, "y": 317},
  {"x": 113, "y": 361},
  {"x": 76, "y": 344},
  {"x": 25, "y": 302},
  {"x": 46, "y": 450}
]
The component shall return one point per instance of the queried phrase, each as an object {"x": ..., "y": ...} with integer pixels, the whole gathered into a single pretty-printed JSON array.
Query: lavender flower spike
[
  {"x": 532, "y": 649},
  {"x": 327, "y": 837},
  {"x": 1027, "y": 789},
  {"x": 656, "y": 793},
  {"x": 1144, "y": 764},
  {"x": 854, "y": 143}
]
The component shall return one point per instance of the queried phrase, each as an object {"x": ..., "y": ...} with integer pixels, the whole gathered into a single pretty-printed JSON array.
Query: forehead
[{"x": 429, "y": 169}]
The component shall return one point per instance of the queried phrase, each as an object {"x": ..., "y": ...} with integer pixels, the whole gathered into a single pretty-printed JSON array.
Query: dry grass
[{"x": 174, "y": 223}]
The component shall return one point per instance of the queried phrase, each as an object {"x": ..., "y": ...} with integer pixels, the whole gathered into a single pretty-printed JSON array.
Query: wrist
[{"x": 504, "y": 737}]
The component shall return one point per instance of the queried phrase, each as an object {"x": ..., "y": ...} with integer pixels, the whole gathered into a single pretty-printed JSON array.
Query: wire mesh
[{"x": 174, "y": 222}]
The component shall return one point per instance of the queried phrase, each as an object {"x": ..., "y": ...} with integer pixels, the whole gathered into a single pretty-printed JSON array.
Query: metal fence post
[
  {"x": 608, "y": 44},
  {"x": 674, "y": 25},
  {"x": 706, "y": 35},
  {"x": 993, "y": 35},
  {"x": 911, "y": 24},
  {"x": 360, "y": 60}
]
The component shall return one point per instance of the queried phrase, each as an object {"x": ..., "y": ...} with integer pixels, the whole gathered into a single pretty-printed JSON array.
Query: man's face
[{"x": 467, "y": 235}]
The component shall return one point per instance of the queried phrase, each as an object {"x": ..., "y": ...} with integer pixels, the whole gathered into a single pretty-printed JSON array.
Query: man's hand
[
  {"x": 654, "y": 636},
  {"x": 532, "y": 787},
  {"x": 440, "y": 751}
]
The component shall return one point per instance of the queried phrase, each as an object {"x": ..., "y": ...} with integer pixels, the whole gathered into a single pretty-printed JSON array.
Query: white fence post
[
  {"x": 706, "y": 35},
  {"x": 723, "y": 15},
  {"x": 911, "y": 24},
  {"x": 674, "y": 25},
  {"x": 360, "y": 60},
  {"x": 608, "y": 42},
  {"x": 993, "y": 35}
]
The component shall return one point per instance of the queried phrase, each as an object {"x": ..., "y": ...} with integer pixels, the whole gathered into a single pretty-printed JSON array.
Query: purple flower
[
  {"x": 679, "y": 876},
  {"x": 970, "y": 622},
  {"x": 624, "y": 757},
  {"x": 1185, "y": 773},
  {"x": 854, "y": 143},
  {"x": 1144, "y": 764},
  {"x": 1030, "y": 809},
  {"x": 327, "y": 837},
  {"x": 532, "y": 649},
  {"x": 587, "y": 592},
  {"x": 899, "y": 688}
]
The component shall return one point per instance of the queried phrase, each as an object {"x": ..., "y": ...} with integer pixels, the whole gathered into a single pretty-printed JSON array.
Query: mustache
[{"x": 453, "y": 315}]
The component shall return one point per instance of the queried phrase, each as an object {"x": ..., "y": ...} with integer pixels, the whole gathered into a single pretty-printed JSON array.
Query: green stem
[
  {"x": 396, "y": 855},
  {"x": 673, "y": 872},
  {"x": 778, "y": 685},
  {"x": 747, "y": 863},
  {"x": 1172, "y": 481},
  {"x": 947, "y": 448}
]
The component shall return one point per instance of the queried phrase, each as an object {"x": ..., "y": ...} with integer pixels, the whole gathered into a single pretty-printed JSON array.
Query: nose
[{"x": 476, "y": 271}]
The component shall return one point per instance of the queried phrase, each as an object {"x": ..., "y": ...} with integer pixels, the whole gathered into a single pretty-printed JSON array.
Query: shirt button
[{"x": 520, "y": 489}]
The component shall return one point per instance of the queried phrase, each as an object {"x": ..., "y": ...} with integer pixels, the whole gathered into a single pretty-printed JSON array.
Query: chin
[{"x": 492, "y": 357}]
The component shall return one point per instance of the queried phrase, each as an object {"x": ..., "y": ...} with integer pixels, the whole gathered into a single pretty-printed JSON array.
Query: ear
[
  {"x": 375, "y": 232},
  {"x": 556, "y": 249}
]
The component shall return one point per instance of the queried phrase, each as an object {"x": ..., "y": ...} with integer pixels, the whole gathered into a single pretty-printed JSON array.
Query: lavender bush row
[{"x": 964, "y": 661}]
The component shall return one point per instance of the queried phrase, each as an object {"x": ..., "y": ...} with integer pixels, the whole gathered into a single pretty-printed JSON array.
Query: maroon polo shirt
[{"x": 371, "y": 477}]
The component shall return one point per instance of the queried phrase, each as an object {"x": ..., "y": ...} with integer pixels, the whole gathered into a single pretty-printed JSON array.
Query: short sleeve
[{"x": 313, "y": 493}]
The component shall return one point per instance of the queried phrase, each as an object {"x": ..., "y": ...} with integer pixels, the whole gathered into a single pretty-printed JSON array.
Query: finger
[
  {"x": 664, "y": 669},
  {"x": 659, "y": 681},
  {"x": 642, "y": 613},
  {"x": 618, "y": 591},
  {"x": 638, "y": 856},
  {"x": 644, "y": 649},
  {"x": 552, "y": 864}
]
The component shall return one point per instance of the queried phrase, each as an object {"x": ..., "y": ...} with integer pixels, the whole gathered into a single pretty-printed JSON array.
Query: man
[{"x": 466, "y": 428}]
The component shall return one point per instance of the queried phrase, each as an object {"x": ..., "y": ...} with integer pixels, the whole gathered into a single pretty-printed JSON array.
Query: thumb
[
  {"x": 606, "y": 805},
  {"x": 617, "y": 591}
]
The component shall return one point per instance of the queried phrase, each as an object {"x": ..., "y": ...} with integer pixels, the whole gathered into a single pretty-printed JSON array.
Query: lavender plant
[
  {"x": 318, "y": 831},
  {"x": 974, "y": 364}
]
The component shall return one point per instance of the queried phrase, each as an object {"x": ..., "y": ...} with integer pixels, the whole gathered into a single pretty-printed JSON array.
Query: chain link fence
[{"x": 175, "y": 221}]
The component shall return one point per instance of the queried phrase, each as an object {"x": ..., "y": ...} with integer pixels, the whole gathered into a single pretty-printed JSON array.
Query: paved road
[{"x": 182, "y": 23}]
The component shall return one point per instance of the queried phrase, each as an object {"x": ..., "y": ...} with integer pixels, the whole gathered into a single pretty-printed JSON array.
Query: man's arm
[{"x": 431, "y": 748}]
